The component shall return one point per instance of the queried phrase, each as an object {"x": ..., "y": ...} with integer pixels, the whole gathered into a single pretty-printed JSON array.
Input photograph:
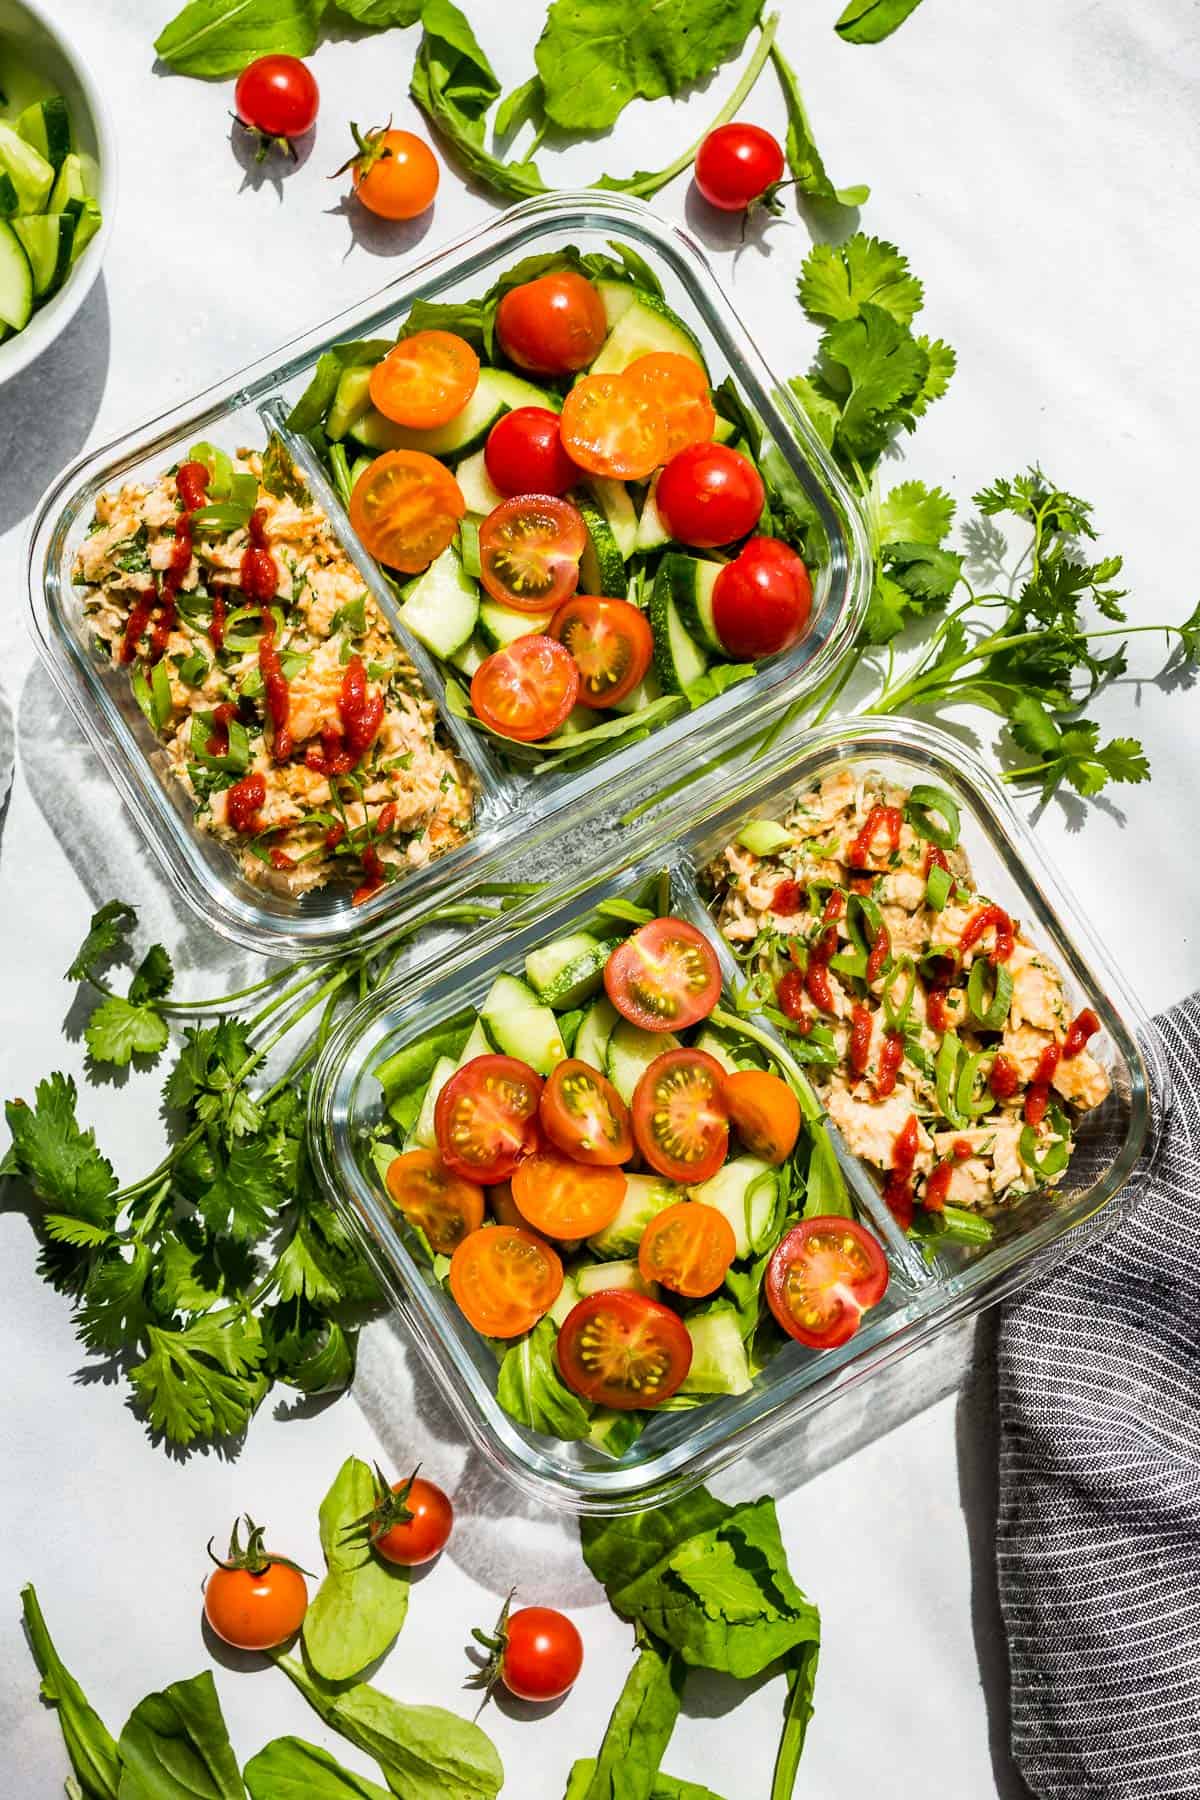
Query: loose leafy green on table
[
  {"x": 215, "y": 38},
  {"x": 288, "y": 1768},
  {"x": 360, "y": 1606},
  {"x": 90, "y": 1745},
  {"x": 870, "y": 21},
  {"x": 639, "y": 1730},
  {"x": 175, "y": 1746}
]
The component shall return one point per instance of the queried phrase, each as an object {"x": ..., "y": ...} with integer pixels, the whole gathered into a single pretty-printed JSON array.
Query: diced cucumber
[
  {"x": 646, "y": 325},
  {"x": 598, "y": 1025},
  {"x": 472, "y": 655},
  {"x": 569, "y": 970},
  {"x": 413, "y": 1063},
  {"x": 47, "y": 126},
  {"x": 692, "y": 581},
  {"x": 496, "y": 392},
  {"x": 615, "y": 1432},
  {"x": 645, "y": 1197},
  {"x": 630, "y": 1053},
  {"x": 46, "y": 239},
  {"x": 602, "y": 566},
  {"x": 618, "y": 297},
  {"x": 501, "y": 625},
  {"x": 601, "y": 1277},
  {"x": 652, "y": 532},
  {"x": 351, "y": 401},
  {"x": 476, "y": 485},
  {"x": 520, "y": 1026},
  {"x": 719, "y": 1361},
  {"x": 442, "y": 605},
  {"x": 714, "y": 1045},
  {"x": 746, "y": 1192},
  {"x": 68, "y": 184},
  {"x": 16, "y": 281},
  {"x": 478, "y": 1044},
  {"x": 423, "y": 1134},
  {"x": 763, "y": 837},
  {"x": 568, "y": 1297},
  {"x": 613, "y": 499},
  {"x": 9, "y": 199},
  {"x": 644, "y": 694},
  {"x": 31, "y": 175},
  {"x": 678, "y": 658}
]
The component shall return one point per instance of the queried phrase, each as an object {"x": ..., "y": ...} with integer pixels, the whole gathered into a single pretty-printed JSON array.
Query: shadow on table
[{"x": 50, "y": 407}]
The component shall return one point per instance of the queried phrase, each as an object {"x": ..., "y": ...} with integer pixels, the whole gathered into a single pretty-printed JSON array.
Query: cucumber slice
[
  {"x": 630, "y": 1052},
  {"x": 719, "y": 1361},
  {"x": 47, "y": 126},
  {"x": 442, "y": 605},
  {"x": 46, "y": 239},
  {"x": 496, "y": 392},
  {"x": 648, "y": 324},
  {"x": 519, "y": 1026},
  {"x": 68, "y": 184},
  {"x": 569, "y": 970},
  {"x": 31, "y": 175},
  {"x": 601, "y": 567},
  {"x": 501, "y": 625},
  {"x": 476, "y": 485},
  {"x": 715, "y": 1046},
  {"x": 723, "y": 430},
  {"x": 645, "y": 693},
  {"x": 472, "y": 656},
  {"x": 615, "y": 1432},
  {"x": 9, "y": 200},
  {"x": 351, "y": 401},
  {"x": 613, "y": 499},
  {"x": 678, "y": 658},
  {"x": 478, "y": 1044},
  {"x": 16, "y": 281},
  {"x": 602, "y": 1277},
  {"x": 746, "y": 1192},
  {"x": 599, "y": 1023},
  {"x": 618, "y": 297},
  {"x": 692, "y": 581},
  {"x": 414, "y": 1063},
  {"x": 568, "y": 1297},
  {"x": 652, "y": 532},
  {"x": 88, "y": 220},
  {"x": 424, "y": 1137},
  {"x": 645, "y": 1197}
]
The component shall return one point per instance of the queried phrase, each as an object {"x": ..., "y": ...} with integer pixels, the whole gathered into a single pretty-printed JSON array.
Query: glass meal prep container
[
  {"x": 930, "y": 1289},
  {"x": 513, "y": 806}
]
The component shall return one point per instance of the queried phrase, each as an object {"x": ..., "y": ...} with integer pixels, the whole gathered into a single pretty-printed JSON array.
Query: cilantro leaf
[
  {"x": 914, "y": 513},
  {"x": 823, "y": 411},
  {"x": 838, "y": 280},
  {"x": 118, "y": 1030},
  {"x": 1189, "y": 634},
  {"x": 246, "y": 1194},
  {"x": 924, "y": 571},
  {"x": 58, "y": 1159},
  {"x": 942, "y": 364},
  {"x": 202, "y": 1379},
  {"x": 153, "y": 977},
  {"x": 280, "y": 475},
  {"x": 106, "y": 937},
  {"x": 875, "y": 367},
  {"x": 112, "y": 1310}
]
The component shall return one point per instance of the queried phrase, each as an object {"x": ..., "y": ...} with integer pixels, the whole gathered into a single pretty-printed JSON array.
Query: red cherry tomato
[
  {"x": 527, "y": 690},
  {"x": 524, "y": 453},
  {"x": 553, "y": 325},
  {"x": 736, "y": 164},
  {"x": 822, "y": 1278},
  {"x": 762, "y": 600},
  {"x": 418, "y": 1539},
  {"x": 541, "y": 1655},
  {"x": 485, "y": 1118},
  {"x": 623, "y": 1350},
  {"x": 612, "y": 644},
  {"x": 664, "y": 977},
  {"x": 583, "y": 1115},
  {"x": 680, "y": 1122},
  {"x": 277, "y": 97},
  {"x": 709, "y": 495},
  {"x": 529, "y": 551}
]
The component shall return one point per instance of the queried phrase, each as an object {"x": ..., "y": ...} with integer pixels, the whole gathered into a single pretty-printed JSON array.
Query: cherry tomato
[
  {"x": 503, "y": 1207},
  {"x": 709, "y": 495},
  {"x": 611, "y": 642},
  {"x": 583, "y": 1115},
  {"x": 679, "y": 389},
  {"x": 564, "y": 1199},
  {"x": 504, "y": 1280},
  {"x": 764, "y": 1112},
  {"x": 276, "y": 98},
  {"x": 484, "y": 1118},
  {"x": 623, "y": 1350},
  {"x": 822, "y": 1278},
  {"x": 687, "y": 1247},
  {"x": 524, "y": 453},
  {"x": 664, "y": 977},
  {"x": 541, "y": 1654},
  {"x": 762, "y": 599},
  {"x": 252, "y": 1599},
  {"x": 553, "y": 325},
  {"x": 611, "y": 425},
  {"x": 444, "y": 1206},
  {"x": 405, "y": 507},
  {"x": 527, "y": 690},
  {"x": 395, "y": 173},
  {"x": 411, "y": 1541},
  {"x": 529, "y": 551},
  {"x": 736, "y": 164},
  {"x": 426, "y": 380},
  {"x": 679, "y": 1120}
]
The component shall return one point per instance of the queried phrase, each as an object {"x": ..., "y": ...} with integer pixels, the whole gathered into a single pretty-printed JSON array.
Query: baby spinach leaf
[
  {"x": 666, "y": 1787},
  {"x": 639, "y": 1730},
  {"x": 360, "y": 1606},
  {"x": 219, "y": 37},
  {"x": 804, "y": 159},
  {"x": 532, "y": 1390},
  {"x": 175, "y": 1747},
  {"x": 454, "y": 84},
  {"x": 290, "y": 1769},
  {"x": 88, "y": 1740},
  {"x": 377, "y": 15},
  {"x": 870, "y": 21}
]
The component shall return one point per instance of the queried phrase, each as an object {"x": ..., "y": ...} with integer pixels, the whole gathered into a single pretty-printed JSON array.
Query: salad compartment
[{"x": 934, "y": 1283}]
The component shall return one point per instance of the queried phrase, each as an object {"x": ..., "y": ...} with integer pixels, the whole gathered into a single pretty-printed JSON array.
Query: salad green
[{"x": 357, "y": 1611}]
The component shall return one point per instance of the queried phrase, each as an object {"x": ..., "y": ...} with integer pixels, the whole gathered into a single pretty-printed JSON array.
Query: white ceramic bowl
[{"x": 28, "y": 33}]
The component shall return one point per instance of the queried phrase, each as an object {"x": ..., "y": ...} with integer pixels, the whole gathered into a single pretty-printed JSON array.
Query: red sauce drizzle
[
  {"x": 258, "y": 576},
  {"x": 790, "y": 995},
  {"x": 361, "y": 710},
  {"x": 898, "y": 1187},
  {"x": 334, "y": 835},
  {"x": 275, "y": 686},
  {"x": 861, "y": 884},
  {"x": 191, "y": 484},
  {"x": 374, "y": 873},
  {"x": 218, "y": 742},
  {"x": 981, "y": 921},
  {"x": 936, "y": 985},
  {"x": 1083, "y": 1027},
  {"x": 281, "y": 860},
  {"x": 386, "y": 819},
  {"x": 191, "y": 480},
  {"x": 933, "y": 1198},
  {"x": 1038, "y": 1097},
  {"x": 962, "y": 1149},
  {"x": 136, "y": 623},
  {"x": 935, "y": 858},
  {"x": 816, "y": 980},
  {"x": 787, "y": 898},
  {"x": 330, "y": 756},
  {"x": 216, "y": 630},
  {"x": 860, "y": 1039},
  {"x": 880, "y": 818},
  {"x": 890, "y": 1058},
  {"x": 879, "y": 953},
  {"x": 1004, "y": 1079},
  {"x": 244, "y": 802}
]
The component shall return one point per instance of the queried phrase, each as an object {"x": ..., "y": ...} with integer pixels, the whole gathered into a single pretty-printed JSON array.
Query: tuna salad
[
  {"x": 939, "y": 1037},
  {"x": 289, "y": 713}
]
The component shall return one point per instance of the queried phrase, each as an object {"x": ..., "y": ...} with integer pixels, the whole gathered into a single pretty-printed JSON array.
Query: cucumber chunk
[
  {"x": 646, "y": 325},
  {"x": 613, "y": 499},
  {"x": 476, "y": 485},
  {"x": 46, "y": 239},
  {"x": 618, "y": 297},
  {"x": 602, "y": 566},
  {"x": 478, "y": 1044},
  {"x": 501, "y": 625},
  {"x": 678, "y": 658},
  {"x": 602, "y": 1277},
  {"x": 746, "y": 1192},
  {"x": 16, "y": 281},
  {"x": 424, "y": 1137},
  {"x": 88, "y": 220},
  {"x": 351, "y": 401},
  {"x": 599, "y": 1023},
  {"x": 652, "y": 531},
  {"x": 714, "y": 1045},
  {"x": 442, "y": 605},
  {"x": 719, "y": 1361},
  {"x": 68, "y": 184},
  {"x": 568, "y": 971},
  {"x": 496, "y": 392},
  {"x": 692, "y": 581},
  {"x": 31, "y": 175},
  {"x": 644, "y": 694},
  {"x": 520, "y": 1026},
  {"x": 630, "y": 1053},
  {"x": 472, "y": 656},
  {"x": 46, "y": 125},
  {"x": 568, "y": 1298},
  {"x": 645, "y": 1197},
  {"x": 615, "y": 1432}
]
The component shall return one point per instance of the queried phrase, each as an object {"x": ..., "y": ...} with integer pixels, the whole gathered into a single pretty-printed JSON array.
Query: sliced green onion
[
  {"x": 220, "y": 468},
  {"x": 352, "y": 617},
  {"x": 938, "y": 883},
  {"x": 1057, "y": 1156},
  {"x": 763, "y": 837},
  {"x": 468, "y": 544},
  {"x": 193, "y": 669},
  {"x": 861, "y": 911},
  {"x": 250, "y": 640},
  {"x": 236, "y": 759},
  {"x": 223, "y": 517},
  {"x": 970, "y": 1104},
  {"x": 963, "y": 1227},
  {"x": 990, "y": 1009},
  {"x": 243, "y": 490},
  {"x": 160, "y": 695},
  {"x": 896, "y": 1011},
  {"x": 923, "y": 802},
  {"x": 850, "y": 962},
  {"x": 195, "y": 607},
  {"x": 142, "y": 694},
  {"x": 340, "y": 468},
  {"x": 945, "y": 1077}
]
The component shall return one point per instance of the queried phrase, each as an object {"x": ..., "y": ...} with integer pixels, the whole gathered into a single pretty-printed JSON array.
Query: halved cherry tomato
[
  {"x": 529, "y": 551},
  {"x": 611, "y": 425},
  {"x": 485, "y": 1118},
  {"x": 444, "y": 1206},
  {"x": 679, "y": 388},
  {"x": 582, "y": 1114},
  {"x": 688, "y": 1247},
  {"x": 709, "y": 495},
  {"x": 405, "y": 507},
  {"x": 664, "y": 977},
  {"x": 553, "y": 325},
  {"x": 623, "y": 1350},
  {"x": 524, "y": 453},
  {"x": 505, "y": 1280},
  {"x": 526, "y": 690},
  {"x": 822, "y": 1278},
  {"x": 764, "y": 1112},
  {"x": 426, "y": 380},
  {"x": 679, "y": 1118},
  {"x": 612, "y": 644},
  {"x": 762, "y": 600},
  {"x": 564, "y": 1199}
]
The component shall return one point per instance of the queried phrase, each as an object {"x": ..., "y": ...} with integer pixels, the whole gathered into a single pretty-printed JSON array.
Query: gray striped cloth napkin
[{"x": 1098, "y": 1530}]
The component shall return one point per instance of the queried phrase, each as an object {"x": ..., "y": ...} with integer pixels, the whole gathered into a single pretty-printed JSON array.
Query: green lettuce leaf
[
  {"x": 531, "y": 1389},
  {"x": 361, "y": 1604},
  {"x": 639, "y": 1730},
  {"x": 89, "y": 1742},
  {"x": 175, "y": 1746},
  {"x": 290, "y": 1769},
  {"x": 870, "y": 21},
  {"x": 218, "y": 38},
  {"x": 595, "y": 56}
]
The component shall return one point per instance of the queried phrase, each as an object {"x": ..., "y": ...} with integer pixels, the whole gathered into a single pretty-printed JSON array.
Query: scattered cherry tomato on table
[
  {"x": 537, "y": 1653},
  {"x": 762, "y": 599},
  {"x": 254, "y": 1599},
  {"x": 396, "y": 174},
  {"x": 737, "y": 165},
  {"x": 276, "y": 100},
  {"x": 411, "y": 1521}
]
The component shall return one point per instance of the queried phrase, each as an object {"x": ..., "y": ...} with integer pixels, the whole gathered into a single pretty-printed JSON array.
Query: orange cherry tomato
[
  {"x": 252, "y": 1599},
  {"x": 426, "y": 380},
  {"x": 764, "y": 1112},
  {"x": 821, "y": 1279},
  {"x": 405, "y": 507},
  {"x": 444, "y": 1206},
  {"x": 687, "y": 1247},
  {"x": 504, "y": 1280},
  {"x": 611, "y": 425},
  {"x": 527, "y": 690},
  {"x": 529, "y": 551},
  {"x": 565, "y": 1199},
  {"x": 502, "y": 1206},
  {"x": 611, "y": 642},
  {"x": 553, "y": 325},
  {"x": 583, "y": 1115},
  {"x": 679, "y": 389},
  {"x": 623, "y": 1350},
  {"x": 395, "y": 174},
  {"x": 679, "y": 1119},
  {"x": 485, "y": 1118}
]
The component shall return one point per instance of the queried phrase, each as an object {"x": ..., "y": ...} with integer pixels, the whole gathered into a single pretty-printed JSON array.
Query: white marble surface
[{"x": 1040, "y": 167}]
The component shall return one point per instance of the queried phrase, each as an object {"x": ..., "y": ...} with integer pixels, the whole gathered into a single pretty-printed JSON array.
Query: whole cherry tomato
[
  {"x": 710, "y": 494},
  {"x": 276, "y": 99},
  {"x": 762, "y": 599},
  {"x": 738, "y": 164},
  {"x": 524, "y": 453},
  {"x": 396, "y": 174},
  {"x": 412, "y": 1520},
  {"x": 254, "y": 1600},
  {"x": 537, "y": 1653}
]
